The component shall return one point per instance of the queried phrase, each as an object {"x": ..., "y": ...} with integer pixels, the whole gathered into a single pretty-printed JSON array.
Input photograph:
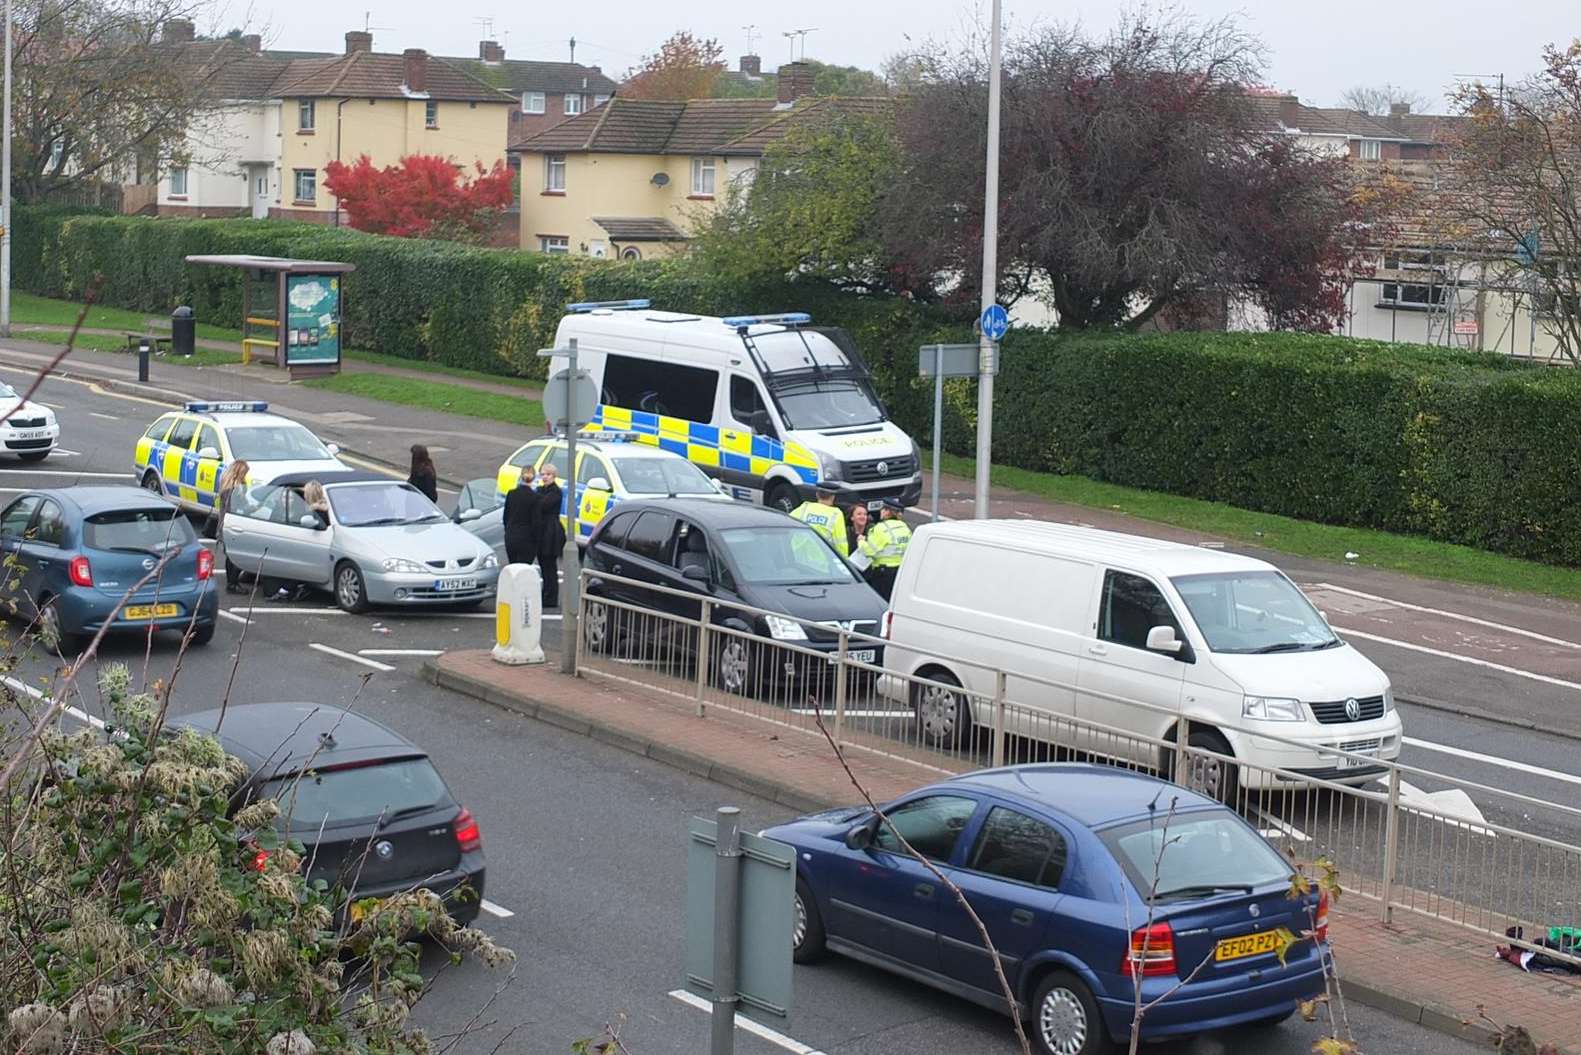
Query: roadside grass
[
  {"x": 1411, "y": 554},
  {"x": 29, "y": 309},
  {"x": 522, "y": 411},
  {"x": 426, "y": 367},
  {"x": 107, "y": 342}
]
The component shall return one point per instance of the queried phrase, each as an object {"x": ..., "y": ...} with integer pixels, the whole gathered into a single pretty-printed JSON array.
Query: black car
[
  {"x": 374, "y": 814},
  {"x": 732, "y": 554}
]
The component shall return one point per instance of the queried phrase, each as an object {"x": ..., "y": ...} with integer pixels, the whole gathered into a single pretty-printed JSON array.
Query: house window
[
  {"x": 57, "y": 151},
  {"x": 554, "y": 173},
  {"x": 178, "y": 181},
  {"x": 554, "y": 243},
  {"x": 600, "y": 100},
  {"x": 573, "y": 104},
  {"x": 703, "y": 177},
  {"x": 1371, "y": 150},
  {"x": 304, "y": 115},
  {"x": 1419, "y": 295},
  {"x": 305, "y": 186},
  {"x": 431, "y": 114},
  {"x": 532, "y": 102},
  {"x": 631, "y": 252}
]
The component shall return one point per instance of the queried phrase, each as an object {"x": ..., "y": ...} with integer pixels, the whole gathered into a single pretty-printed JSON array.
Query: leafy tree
[
  {"x": 684, "y": 67},
  {"x": 1376, "y": 99},
  {"x": 424, "y": 195}
]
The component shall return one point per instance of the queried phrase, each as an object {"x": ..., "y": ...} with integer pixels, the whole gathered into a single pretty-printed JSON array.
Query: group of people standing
[
  {"x": 534, "y": 533},
  {"x": 875, "y": 549}
]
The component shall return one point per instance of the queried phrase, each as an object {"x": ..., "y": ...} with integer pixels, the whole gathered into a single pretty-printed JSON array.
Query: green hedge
[{"x": 1480, "y": 450}]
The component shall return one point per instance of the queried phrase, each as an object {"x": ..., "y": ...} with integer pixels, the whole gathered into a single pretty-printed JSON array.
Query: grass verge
[
  {"x": 433, "y": 395},
  {"x": 1377, "y": 549},
  {"x": 44, "y": 311},
  {"x": 436, "y": 368}
]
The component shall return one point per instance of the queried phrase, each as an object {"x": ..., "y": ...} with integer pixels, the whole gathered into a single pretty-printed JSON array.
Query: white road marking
[
  {"x": 1491, "y": 760},
  {"x": 43, "y": 697},
  {"x": 1534, "y": 635},
  {"x": 495, "y": 910},
  {"x": 52, "y": 406},
  {"x": 66, "y": 452},
  {"x": 1451, "y": 801},
  {"x": 69, "y": 472},
  {"x": 757, "y": 1029},
  {"x": 370, "y": 466},
  {"x": 287, "y": 610},
  {"x": 242, "y": 619},
  {"x": 400, "y": 652},
  {"x": 1440, "y": 653},
  {"x": 1289, "y": 829},
  {"x": 106, "y": 417},
  {"x": 352, "y": 656}
]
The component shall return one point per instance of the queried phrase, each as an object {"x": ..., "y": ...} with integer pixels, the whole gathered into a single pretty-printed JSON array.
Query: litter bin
[{"x": 183, "y": 331}]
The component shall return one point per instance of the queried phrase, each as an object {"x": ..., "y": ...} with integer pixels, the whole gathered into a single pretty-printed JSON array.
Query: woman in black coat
[
  {"x": 551, "y": 536},
  {"x": 423, "y": 477},
  {"x": 521, "y": 521}
]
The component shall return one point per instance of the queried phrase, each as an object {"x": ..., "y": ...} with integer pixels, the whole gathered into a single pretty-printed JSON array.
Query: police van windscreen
[{"x": 810, "y": 404}]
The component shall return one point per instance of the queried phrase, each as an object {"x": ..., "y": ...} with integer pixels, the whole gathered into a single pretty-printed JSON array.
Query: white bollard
[{"x": 518, "y": 615}]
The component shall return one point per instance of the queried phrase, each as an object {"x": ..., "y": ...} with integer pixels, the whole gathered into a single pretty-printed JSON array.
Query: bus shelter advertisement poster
[{"x": 312, "y": 319}]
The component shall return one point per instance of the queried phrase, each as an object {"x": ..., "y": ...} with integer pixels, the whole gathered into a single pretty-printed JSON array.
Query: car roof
[
  {"x": 274, "y": 738},
  {"x": 667, "y": 329},
  {"x": 1092, "y": 795},
  {"x": 230, "y": 419},
  {"x": 331, "y": 477},
  {"x": 609, "y": 446},
  {"x": 100, "y": 498},
  {"x": 712, "y": 513},
  {"x": 1160, "y": 556}
]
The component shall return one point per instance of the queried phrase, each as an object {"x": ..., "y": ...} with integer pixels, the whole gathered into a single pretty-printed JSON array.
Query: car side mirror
[
  {"x": 469, "y": 514},
  {"x": 598, "y": 483},
  {"x": 860, "y": 836},
  {"x": 1163, "y": 639},
  {"x": 309, "y": 520},
  {"x": 693, "y": 573},
  {"x": 333, "y": 449},
  {"x": 209, "y": 454}
]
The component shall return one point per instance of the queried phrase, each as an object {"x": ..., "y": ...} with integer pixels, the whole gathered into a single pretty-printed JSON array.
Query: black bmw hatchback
[
  {"x": 739, "y": 557},
  {"x": 373, "y": 813}
]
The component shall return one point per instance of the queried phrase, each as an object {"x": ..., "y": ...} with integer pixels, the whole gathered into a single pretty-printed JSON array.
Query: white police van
[{"x": 766, "y": 404}]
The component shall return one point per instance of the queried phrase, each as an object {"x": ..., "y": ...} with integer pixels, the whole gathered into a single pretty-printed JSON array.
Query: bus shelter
[{"x": 291, "y": 310}]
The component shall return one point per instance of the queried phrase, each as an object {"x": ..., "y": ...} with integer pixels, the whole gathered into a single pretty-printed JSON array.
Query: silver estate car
[{"x": 382, "y": 543}]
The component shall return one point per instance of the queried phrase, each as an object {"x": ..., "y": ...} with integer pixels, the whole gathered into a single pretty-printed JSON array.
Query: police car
[
  {"x": 184, "y": 453},
  {"x": 611, "y": 466}
]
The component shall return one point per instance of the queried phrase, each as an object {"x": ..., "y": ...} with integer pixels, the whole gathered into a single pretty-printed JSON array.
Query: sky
[{"x": 1316, "y": 50}]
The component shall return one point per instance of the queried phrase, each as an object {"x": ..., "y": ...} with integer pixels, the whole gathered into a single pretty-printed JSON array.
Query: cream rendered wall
[
  {"x": 218, "y": 144},
  {"x": 387, "y": 130}
]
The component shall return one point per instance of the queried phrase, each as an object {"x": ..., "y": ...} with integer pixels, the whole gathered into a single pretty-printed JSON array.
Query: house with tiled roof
[
  {"x": 546, "y": 92},
  {"x": 278, "y": 119},
  {"x": 630, "y": 178}
]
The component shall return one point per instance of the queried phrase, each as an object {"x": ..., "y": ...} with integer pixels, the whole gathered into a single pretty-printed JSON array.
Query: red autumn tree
[
  {"x": 684, "y": 68},
  {"x": 422, "y": 196}
]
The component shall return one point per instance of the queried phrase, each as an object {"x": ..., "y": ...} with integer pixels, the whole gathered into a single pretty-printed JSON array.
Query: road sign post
[
  {"x": 740, "y": 895},
  {"x": 570, "y": 397},
  {"x": 990, "y": 298},
  {"x": 939, "y": 361}
]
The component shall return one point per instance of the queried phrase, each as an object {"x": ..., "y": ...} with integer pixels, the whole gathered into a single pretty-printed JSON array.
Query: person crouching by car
[
  {"x": 522, "y": 528},
  {"x": 551, "y": 536}
]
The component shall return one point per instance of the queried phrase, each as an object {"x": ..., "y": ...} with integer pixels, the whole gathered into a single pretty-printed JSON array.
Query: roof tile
[{"x": 718, "y": 126}]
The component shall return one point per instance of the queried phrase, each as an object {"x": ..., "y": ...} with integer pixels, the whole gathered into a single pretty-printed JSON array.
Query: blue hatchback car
[
  {"x": 75, "y": 551},
  {"x": 1058, "y": 861}
]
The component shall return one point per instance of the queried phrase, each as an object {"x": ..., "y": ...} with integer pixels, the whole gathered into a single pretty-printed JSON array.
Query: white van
[
  {"x": 1226, "y": 640},
  {"x": 766, "y": 404}
]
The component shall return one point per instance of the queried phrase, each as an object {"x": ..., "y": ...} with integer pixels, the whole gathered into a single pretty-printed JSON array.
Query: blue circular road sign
[{"x": 994, "y": 321}]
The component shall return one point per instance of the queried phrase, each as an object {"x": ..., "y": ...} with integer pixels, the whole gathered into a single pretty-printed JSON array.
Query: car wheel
[
  {"x": 733, "y": 664},
  {"x": 781, "y": 496},
  {"x": 52, "y": 629},
  {"x": 34, "y": 456},
  {"x": 596, "y": 626},
  {"x": 1213, "y": 777},
  {"x": 943, "y": 717},
  {"x": 152, "y": 482},
  {"x": 807, "y": 938},
  {"x": 350, "y": 591},
  {"x": 203, "y": 635},
  {"x": 1065, "y": 1019}
]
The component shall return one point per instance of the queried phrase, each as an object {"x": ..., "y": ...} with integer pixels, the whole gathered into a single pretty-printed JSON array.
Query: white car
[{"x": 29, "y": 429}]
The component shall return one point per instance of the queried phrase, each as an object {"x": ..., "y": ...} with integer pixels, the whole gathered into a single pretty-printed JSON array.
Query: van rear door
[{"x": 1117, "y": 670}]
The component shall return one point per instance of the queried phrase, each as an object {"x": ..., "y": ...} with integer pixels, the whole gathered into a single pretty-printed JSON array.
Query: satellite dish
[{"x": 660, "y": 179}]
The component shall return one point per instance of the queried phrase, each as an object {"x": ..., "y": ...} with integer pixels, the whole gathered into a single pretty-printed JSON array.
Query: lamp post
[
  {"x": 5, "y": 189},
  {"x": 986, "y": 348}
]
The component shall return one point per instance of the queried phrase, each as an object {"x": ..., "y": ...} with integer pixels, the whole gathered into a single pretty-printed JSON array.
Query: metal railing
[{"x": 1396, "y": 848}]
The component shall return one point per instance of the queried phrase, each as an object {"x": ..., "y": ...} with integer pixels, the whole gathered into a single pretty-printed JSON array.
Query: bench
[{"x": 158, "y": 343}]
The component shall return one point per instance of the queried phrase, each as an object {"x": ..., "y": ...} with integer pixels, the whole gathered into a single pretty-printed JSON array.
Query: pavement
[{"x": 1426, "y": 971}]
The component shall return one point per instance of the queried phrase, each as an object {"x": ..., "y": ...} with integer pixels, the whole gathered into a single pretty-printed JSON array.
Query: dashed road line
[
  {"x": 43, "y": 697},
  {"x": 1490, "y": 760},
  {"x": 1534, "y": 635},
  {"x": 1458, "y": 658},
  {"x": 225, "y": 614},
  {"x": 106, "y": 417},
  {"x": 495, "y": 910},
  {"x": 352, "y": 656}
]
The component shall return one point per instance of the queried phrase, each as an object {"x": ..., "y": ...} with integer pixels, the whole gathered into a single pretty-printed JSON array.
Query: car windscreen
[
  {"x": 381, "y": 505},
  {"x": 143, "y": 530},
  {"x": 6, "y": 391},
  {"x": 336, "y": 796},
  {"x": 1253, "y": 612},
  {"x": 827, "y": 404},
  {"x": 1194, "y": 854},
  {"x": 783, "y": 556},
  {"x": 275, "y": 443},
  {"x": 662, "y": 476}
]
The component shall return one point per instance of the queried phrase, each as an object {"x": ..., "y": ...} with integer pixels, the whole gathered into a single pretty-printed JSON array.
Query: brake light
[
  {"x": 468, "y": 836},
  {"x": 205, "y": 564},
  {"x": 1152, "y": 952},
  {"x": 883, "y": 624},
  {"x": 81, "y": 574},
  {"x": 1320, "y": 927}
]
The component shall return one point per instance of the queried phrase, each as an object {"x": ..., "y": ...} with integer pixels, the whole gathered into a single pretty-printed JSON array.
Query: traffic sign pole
[
  {"x": 985, "y": 376},
  {"x": 938, "y": 422}
]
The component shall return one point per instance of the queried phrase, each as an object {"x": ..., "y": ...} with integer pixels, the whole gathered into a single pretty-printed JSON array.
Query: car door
[
  {"x": 254, "y": 530},
  {"x": 509, "y": 476},
  {"x": 1010, "y": 876},
  {"x": 206, "y": 474},
  {"x": 151, "y": 445},
  {"x": 592, "y": 502},
  {"x": 178, "y": 468},
  {"x": 303, "y": 551},
  {"x": 646, "y": 558},
  {"x": 1117, "y": 667},
  {"x": 13, "y": 577},
  {"x": 748, "y": 432},
  {"x": 882, "y": 898},
  {"x": 43, "y": 558}
]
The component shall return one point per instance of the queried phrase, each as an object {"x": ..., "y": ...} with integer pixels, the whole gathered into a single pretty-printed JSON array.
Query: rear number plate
[
  {"x": 149, "y": 611},
  {"x": 1264, "y": 941},
  {"x": 451, "y": 585}
]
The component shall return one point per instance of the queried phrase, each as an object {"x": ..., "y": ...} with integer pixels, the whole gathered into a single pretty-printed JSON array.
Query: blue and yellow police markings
[
  {"x": 707, "y": 446},
  {"x": 181, "y": 472}
]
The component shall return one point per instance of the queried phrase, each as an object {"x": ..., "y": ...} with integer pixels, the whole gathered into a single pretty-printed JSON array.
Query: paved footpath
[{"x": 1423, "y": 970}]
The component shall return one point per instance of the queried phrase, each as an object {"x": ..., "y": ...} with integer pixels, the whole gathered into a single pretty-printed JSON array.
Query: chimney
[
  {"x": 416, "y": 63},
  {"x": 752, "y": 65},
  {"x": 1399, "y": 109},
  {"x": 795, "y": 81},
  {"x": 490, "y": 52},
  {"x": 1290, "y": 111},
  {"x": 252, "y": 42},
  {"x": 178, "y": 31},
  {"x": 358, "y": 40}
]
